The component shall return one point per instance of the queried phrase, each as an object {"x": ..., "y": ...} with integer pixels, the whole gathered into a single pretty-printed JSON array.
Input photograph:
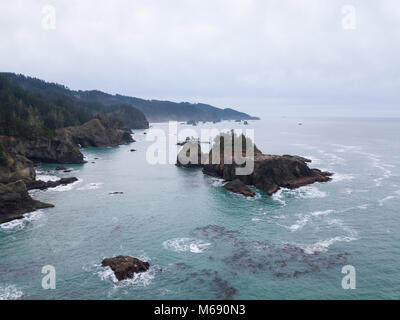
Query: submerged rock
[
  {"x": 125, "y": 267},
  {"x": 59, "y": 168},
  {"x": 237, "y": 186}
]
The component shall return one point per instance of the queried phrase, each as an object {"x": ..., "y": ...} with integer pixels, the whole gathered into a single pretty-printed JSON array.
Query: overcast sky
[{"x": 278, "y": 57}]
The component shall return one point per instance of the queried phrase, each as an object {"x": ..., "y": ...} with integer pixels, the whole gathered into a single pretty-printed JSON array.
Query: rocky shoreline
[{"x": 17, "y": 169}]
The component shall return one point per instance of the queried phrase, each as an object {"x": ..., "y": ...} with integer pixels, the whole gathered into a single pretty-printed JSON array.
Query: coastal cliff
[
  {"x": 51, "y": 150},
  {"x": 15, "y": 201},
  {"x": 95, "y": 133},
  {"x": 17, "y": 173}
]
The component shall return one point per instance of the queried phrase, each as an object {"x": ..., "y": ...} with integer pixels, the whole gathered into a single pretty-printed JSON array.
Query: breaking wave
[
  {"x": 91, "y": 186},
  {"x": 323, "y": 245},
  {"x": 186, "y": 244},
  {"x": 142, "y": 279},
  {"x": 19, "y": 224},
  {"x": 67, "y": 187},
  {"x": 10, "y": 292}
]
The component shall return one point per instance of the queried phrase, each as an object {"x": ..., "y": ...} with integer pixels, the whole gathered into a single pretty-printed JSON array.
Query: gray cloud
[{"x": 256, "y": 55}]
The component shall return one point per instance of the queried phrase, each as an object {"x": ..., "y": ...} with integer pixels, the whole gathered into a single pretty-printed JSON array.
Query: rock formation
[
  {"x": 190, "y": 155},
  {"x": 270, "y": 173},
  {"x": 43, "y": 185},
  {"x": 51, "y": 150},
  {"x": 17, "y": 176},
  {"x": 95, "y": 133},
  {"x": 16, "y": 168},
  {"x": 15, "y": 201},
  {"x": 237, "y": 186},
  {"x": 125, "y": 267}
]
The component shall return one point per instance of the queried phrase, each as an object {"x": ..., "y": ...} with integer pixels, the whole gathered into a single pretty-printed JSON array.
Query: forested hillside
[
  {"x": 31, "y": 108},
  {"x": 154, "y": 110}
]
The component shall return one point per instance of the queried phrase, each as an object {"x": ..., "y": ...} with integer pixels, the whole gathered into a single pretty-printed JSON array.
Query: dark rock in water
[
  {"x": 42, "y": 185},
  {"x": 117, "y": 192},
  {"x": 125, "y": 267},
  {"x": 96, "y": 158},
  {"x": 191, "y": 156},
  {"x": 144, "y": 132},
  {"x": 238, "y": 186},
  {"x": 270, "y": 172},
  {"x": 15, "y": 201},
  {"x": 59, "y": 168},
  {"x": 133, "y": 150},
  {"x": 245, "y": 123},
  {"x": 67, "y": 171}
]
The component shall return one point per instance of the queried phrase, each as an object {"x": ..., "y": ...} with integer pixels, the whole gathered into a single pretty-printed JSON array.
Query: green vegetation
[
  {"x": 31, "y": 108},
  {"x": 153, "y": 110},
  {"x": 236, "y": 140},
  {"x": 31, "y": 115}
]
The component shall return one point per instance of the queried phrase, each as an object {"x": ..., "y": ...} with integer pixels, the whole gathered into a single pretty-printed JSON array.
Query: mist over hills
[{"x": 153, "y": 110}]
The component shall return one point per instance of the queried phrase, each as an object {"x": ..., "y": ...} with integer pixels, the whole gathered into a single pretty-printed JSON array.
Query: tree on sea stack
[{"x": 231, "y": 148}]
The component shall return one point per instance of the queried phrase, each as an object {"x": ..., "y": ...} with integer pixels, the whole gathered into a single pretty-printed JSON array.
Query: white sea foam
[
  {"x": 342, "y": 177},
  {"x": 307, "y": 192},
  {"x": 322, "y": 213},
  {"x": 382, "y": 201},
  {"x": 331, "y": 157},
  {"x": 186, "y": 244},
  {"x": 46, "y": 177},
  {"x": 91, "y": 186},
  {"x": 351, "y": 232},
  {"x": 344, "y": 148},
  {"x": 10, "y": 292},
  {"x": 67, "y": 187},
  {"x": 323, "y": 245},
  {"x": 299, "y": 223},
  {"x": 19, "y": 224},
  {"x": 278, "y": 196},
  {"x": 141, "y": 279},
  {"x": 363, "y": 206},
  {"x": 216, "y": 182},
  {"x": 313, "y": 159},
  {"x": 255, "y": 219}
]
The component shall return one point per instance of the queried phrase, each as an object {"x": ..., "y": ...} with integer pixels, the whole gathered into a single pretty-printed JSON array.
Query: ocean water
[{"x": 206, "y": 243}]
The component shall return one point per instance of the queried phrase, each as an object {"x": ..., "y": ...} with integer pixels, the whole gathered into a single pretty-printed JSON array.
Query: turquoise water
[{"x": 205, "y": 243}]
